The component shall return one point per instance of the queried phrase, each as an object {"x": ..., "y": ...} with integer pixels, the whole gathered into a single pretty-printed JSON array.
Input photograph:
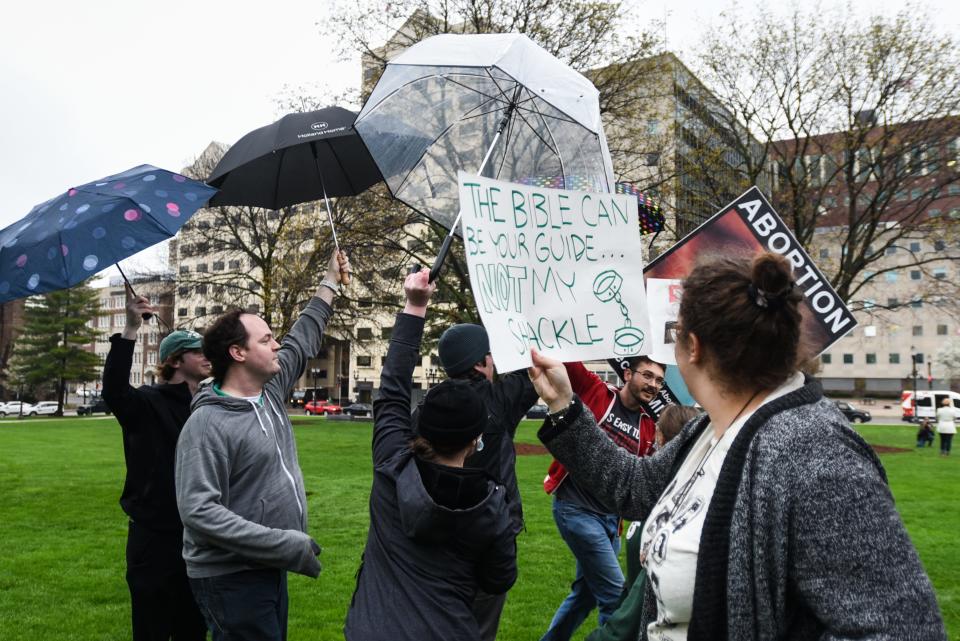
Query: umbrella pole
[
  {"x": 445, "y": 247},
  {"x": 146, "y": 315},
  {"x": 326, "y": 201}
]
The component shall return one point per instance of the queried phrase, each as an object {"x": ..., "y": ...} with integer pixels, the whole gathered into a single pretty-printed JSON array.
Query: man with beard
[{"x": 587, "y": 527}]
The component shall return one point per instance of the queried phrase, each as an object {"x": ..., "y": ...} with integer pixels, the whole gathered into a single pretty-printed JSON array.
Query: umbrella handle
[{"x": 441, "y": 257}]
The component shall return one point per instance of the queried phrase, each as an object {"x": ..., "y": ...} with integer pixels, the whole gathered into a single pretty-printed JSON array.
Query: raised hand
[
  {"x": 418, "y": 289},
  {"x": 551, "y": 381}
]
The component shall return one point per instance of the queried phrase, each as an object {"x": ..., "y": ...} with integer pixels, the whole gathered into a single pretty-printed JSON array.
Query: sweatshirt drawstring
[{"x": 276, "y": 442}]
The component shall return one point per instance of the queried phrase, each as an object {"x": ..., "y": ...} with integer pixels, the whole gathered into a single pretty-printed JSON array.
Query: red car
[{"x": 321, "y": 408}]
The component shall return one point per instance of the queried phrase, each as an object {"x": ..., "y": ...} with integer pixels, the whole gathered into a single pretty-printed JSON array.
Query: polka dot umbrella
[{"x": 67, "y": 239}]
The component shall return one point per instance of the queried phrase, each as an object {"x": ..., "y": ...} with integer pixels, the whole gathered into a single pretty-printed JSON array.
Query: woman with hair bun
[{"x": 768, "y": 517}]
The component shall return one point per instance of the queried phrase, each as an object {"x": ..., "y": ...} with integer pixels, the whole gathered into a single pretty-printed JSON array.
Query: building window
[
  {"x": 933, "y": 213},
  {"x": 218, "y": 266},
  {"x": 202, "y": 267},
  {"x": 892, "y": 303},
  {"x": 363, "y": 361},
  {"x": 953, "y": 190},
  {"x": 891, "y": 277},
  {"x": 848, "y": 359},
  {"x": 894, "y": 359},
  {"x": 890, "y": 251},
  {"x": 183, "y": 291},
  {"x": 914, "y": 246},
  {"x": 151, "y": 358},
  {"x": 941, "y": 330},
  {"x": 201, "y": 289},
  {"x": 940, "y": 273},
  {"x": 386, "y": 332},
  {"x": 901, "y": 195},
  {"x": 364, "y": 333},
  {"x": 918, "y": 330},
  {"x": 939, "y": 245},
  {"x": 915, "y": 274},
  {"x": 182, "y": 311},
  {"x": 184, "y": 269},
  {"x": 916, "y": 194},
  {"x": 234, "y": 264},
  {"x": 871, "y": 359},
  {"x": 200, "y": 311},
  {"x": 824, "y": 253},
  {"x": 919, "y": 358},
  {"x": 826, "y": 359},
  {"x": 916, "y": 303},
  {"x": 253, "y": 308}
]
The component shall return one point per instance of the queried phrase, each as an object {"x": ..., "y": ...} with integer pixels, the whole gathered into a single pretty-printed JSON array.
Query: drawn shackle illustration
[{"x": 627, "y": 340}]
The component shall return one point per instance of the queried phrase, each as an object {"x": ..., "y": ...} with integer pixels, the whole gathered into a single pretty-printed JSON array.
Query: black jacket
[
  {"x": 424, "y": 560},
  {"x": 507, "y": 400},
  {"x": 151, "y": 418}
]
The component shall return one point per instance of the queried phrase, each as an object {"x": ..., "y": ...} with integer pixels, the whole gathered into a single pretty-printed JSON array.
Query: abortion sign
[
  {"x": 556, "y": 270},
  {"x": 743, "y": 229}
]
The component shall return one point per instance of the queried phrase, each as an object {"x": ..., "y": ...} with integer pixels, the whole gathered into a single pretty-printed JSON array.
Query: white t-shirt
[
  {"x": 670, "y": 541},
  {"x": 946, "y": 415}
]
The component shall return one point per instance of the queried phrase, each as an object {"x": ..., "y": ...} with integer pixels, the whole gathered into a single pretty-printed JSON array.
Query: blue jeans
[
  {"x": 244, "y": 606},
  {"x": 594, "y": 541}
]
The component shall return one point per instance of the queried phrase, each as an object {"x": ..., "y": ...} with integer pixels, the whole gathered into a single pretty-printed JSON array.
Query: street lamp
[
  {"x": 913, "y": 374},
  {"x": 316, "y": 372}
]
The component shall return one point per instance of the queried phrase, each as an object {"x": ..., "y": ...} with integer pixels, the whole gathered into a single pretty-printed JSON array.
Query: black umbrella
[{"x": 299, "y": 158}]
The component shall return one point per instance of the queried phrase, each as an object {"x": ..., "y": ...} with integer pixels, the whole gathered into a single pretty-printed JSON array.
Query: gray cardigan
[{"x": 801, "y": 539}]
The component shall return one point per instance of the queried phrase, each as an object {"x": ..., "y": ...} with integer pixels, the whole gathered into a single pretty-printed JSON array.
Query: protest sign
[
  {"x": 744, "y": 228},
  {"x": 557, "y": 270}
]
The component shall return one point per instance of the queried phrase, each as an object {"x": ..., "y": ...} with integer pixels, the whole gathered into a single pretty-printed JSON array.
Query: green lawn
[{"x": 62, "y": 570}]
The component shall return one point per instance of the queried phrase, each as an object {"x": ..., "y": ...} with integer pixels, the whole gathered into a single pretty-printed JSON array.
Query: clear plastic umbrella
[{"x": 494, "y": 104}]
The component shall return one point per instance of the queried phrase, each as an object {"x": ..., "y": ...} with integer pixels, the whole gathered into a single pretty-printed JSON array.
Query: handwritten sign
[{"x": 554, "y": 269}]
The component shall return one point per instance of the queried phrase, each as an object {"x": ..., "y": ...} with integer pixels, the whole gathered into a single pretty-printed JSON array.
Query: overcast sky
[{"x": 96, "y": 87}]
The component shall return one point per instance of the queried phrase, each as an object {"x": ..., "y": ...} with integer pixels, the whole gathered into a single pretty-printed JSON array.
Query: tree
[
  {"x": 856, "y": 120},
  {"x": 948, "y": 359},
  {"x": 50, "y": 350}
]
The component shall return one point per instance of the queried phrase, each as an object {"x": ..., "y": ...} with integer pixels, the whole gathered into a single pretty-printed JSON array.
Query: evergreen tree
[{"x": 50, "y": 350}]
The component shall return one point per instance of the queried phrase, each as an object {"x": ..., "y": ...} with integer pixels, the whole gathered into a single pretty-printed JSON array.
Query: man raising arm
[{"x": 240, "y": 491}]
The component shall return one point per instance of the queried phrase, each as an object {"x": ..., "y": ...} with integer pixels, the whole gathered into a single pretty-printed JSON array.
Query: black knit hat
[
  {"x": 461, "y": 347},
  {"x": 452, "y": 414}
]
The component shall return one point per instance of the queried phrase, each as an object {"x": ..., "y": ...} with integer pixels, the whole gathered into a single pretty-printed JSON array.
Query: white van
[{"x": 927, "y": 403}]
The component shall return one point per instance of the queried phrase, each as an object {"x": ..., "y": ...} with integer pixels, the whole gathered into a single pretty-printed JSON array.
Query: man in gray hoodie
[{"x": 240, "y": 491}]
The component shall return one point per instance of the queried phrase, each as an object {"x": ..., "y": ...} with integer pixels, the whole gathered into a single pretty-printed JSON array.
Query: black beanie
[
  {"x": 452, "y": 414},
  {"x": 461, "y": 347}
]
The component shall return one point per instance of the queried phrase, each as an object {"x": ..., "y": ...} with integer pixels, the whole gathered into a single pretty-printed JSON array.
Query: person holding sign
[
  {"x": 464, "y": 351},
  {"x": 439, "y": 531},
  {"x": 769, "y": 517},
  {"x": 589, "y": 529}
]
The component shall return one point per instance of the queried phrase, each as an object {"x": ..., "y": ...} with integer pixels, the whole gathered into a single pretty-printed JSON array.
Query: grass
[{"x": 62, "y": 569}]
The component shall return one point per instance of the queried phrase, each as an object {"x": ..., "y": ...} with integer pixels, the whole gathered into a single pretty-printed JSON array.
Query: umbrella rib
[
  {"x": 556, "y": 147},
  {"x": 410, "y": 82},
  {"x": 434, "y": 141},
  {"x": 537, "y": 134},
  {"x": 506, "y": 145}
]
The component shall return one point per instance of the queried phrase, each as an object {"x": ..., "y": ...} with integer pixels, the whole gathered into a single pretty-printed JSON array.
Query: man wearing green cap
[{"x": 151, "y": 418}]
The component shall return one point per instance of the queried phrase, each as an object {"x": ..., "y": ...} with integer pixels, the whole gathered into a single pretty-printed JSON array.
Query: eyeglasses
[{"x": 650, "y": 377}]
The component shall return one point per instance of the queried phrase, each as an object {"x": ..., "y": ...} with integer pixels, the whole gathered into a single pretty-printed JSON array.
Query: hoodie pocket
[{"x": 279, "y": 510}]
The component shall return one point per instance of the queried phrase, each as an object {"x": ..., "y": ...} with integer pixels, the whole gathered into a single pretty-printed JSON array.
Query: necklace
[{"x": 680, "y": 497}]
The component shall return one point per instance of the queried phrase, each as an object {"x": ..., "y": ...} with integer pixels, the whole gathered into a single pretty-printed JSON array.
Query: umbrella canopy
[
  {"x": 299, "y": 158},
  {"x": 455, "y": 93},
  {"x": 67, "y": 239}
]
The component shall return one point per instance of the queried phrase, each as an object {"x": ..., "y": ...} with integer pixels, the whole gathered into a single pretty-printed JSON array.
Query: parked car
[
  {"x": 45, "y": 408},
  {"x": 298, "y": 398},
  {"x": 538, "y": 412},
  {"x": 359, "y": 409},
  {"x": 853, "y": 414},
  {"x": 321, "y": 408},
  {"x": 13, "y": 409},
  {"x": 92, "y": 408}
]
